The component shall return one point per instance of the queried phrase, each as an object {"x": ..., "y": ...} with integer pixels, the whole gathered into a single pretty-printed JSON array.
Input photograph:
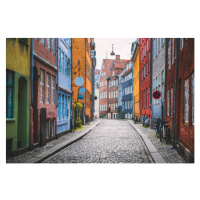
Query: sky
[{"x": 122, "y": 47}]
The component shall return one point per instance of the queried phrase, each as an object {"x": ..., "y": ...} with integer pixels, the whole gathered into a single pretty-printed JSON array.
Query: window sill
[{"x": 10, "y": 119}]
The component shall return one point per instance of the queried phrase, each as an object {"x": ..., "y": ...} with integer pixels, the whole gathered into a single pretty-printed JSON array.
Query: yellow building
[
  {"x": 18, "y": 64},
  {"x": 136, "y": 83},
  {"x": 82, "y": 66}
]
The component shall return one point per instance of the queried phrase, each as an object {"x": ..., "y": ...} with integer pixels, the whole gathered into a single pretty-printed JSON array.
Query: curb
[
  {"x": 152, "y": 149},
  {"x": 43, "y": 156}
]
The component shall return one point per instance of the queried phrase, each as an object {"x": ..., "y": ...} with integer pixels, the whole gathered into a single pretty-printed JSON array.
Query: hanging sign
[
  {"x": 79, "y": 81},
  {"x": 156, "y": 94},
  {"x": 82, "y": 90},
  {"x": 81, "y": 96}
]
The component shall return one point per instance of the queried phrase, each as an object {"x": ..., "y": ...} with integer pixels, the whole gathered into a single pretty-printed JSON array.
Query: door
[{"x": 22, "y": 128}]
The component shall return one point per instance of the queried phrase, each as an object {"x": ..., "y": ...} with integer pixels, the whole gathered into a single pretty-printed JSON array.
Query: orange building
[{"x": 82, "y": 66}]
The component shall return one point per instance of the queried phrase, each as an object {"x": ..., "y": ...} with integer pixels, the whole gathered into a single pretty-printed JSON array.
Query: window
[
  {"x": 142, "y": 74},
  {"x": 66, "y": 68},
  {"x": 147, "y": 44},
  {"x": 144, "y": 71},
  {"x": 192, "y": 90},
  {"x": 53, "y": 88},
  {"x": 186, "y": 100},
  {"x": 9, "y": 93},
  {"x": 53, "y": 45},
  {"x": 59, "y": 107},
  {"x": 169, "y": 54},
  {"x": 47, "y": 128},
  {"x": 149, "y": 96},
  {"x": 48, "y": 88},
  {"x": 173, "y": 50},
  {"x": 42, "y": 40},
  {"x": 168, "y": 103},
  {"x": 116, "y": 94},
  {"x": 158, "y": 44},
  {"x": 48, "y": 44},
  {"x": 41, "y": 86},
  {"x": 62, "y": 63},
  {"x": 59, "y": 60},
  {"x": 66, "y": 107},
  {"x": 146, "y": 68},
  {"x": 62, "y": 103},
  {"x": 113, "y": 73},
  {"x": 171, "y": 101},
  {"x": 53, "y": 132},
  {"x": 181, "y": 43}
]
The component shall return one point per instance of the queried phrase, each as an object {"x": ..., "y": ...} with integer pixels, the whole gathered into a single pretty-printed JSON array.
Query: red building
[
  {"x": 44, "y": 111},
  {"x": 145, "y": 78},
  {"x": 108, "y": 93},
  {"x": 180, "y": 89}
]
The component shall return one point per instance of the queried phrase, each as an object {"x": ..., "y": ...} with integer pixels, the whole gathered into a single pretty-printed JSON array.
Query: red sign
[{"x": 157, "y": 95}]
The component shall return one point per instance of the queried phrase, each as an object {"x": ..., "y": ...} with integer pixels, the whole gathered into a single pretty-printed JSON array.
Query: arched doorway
[{"x": 22, "y": 114}]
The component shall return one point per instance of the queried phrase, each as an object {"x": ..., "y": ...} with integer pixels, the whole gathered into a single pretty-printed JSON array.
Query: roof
[{"x": 127, "y": 72}]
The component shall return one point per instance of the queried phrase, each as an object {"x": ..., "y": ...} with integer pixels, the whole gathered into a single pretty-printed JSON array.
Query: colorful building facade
[
  {"x": 44, "y": 114},
  {"x": 145, "y": 77},
  {"x": 18, "y": 65},
  {"x": 96, "y": 85},
  {"x": 127, "y": 91},
  {"x": 82, "y": 59},
  {"x": 136, "y": 81},
  {"x": 179, "y": 98},
  {"x": 64, "y": 92}
]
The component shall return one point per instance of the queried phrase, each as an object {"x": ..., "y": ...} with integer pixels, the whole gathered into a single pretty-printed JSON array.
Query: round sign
[
  {"x": 157, "y": 95},
  {"x": 79, "y": 81},
  {"x": 82, "y": 90}
]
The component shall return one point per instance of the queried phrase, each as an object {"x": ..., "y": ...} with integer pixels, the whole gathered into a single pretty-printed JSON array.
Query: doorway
[{"x": 22, "y": 114}]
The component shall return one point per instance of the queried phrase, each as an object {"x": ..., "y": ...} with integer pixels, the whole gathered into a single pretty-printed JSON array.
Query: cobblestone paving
[
  {"x": 112, "y": 141},
  {"x": 170, "y": 155},
  {"x": 30, "y": 154}
]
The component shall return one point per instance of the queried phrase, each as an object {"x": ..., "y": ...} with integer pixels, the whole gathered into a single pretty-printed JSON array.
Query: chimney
[{"x": 117, "y": 57}]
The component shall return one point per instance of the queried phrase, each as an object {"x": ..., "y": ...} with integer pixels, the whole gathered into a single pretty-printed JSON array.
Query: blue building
[
  {"x": 127, "y": 91},
  {"x": 64, "y": 89},
  {"x": 120, "y": 93}
]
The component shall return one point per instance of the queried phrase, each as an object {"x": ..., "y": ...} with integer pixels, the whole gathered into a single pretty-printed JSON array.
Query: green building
[{"x": 18, "y": 64}]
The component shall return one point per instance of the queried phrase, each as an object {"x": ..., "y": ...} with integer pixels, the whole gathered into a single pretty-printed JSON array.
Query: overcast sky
[{"x": 122, "y": 47}]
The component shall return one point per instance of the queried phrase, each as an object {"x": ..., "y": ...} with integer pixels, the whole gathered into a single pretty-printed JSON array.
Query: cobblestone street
[{"x": 112, "y": 141}]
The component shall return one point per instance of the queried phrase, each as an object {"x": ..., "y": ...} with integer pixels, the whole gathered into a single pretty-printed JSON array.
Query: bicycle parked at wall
[{"x": 160, "y": 133}]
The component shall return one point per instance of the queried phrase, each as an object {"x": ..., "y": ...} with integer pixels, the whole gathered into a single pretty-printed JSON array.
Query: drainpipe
[
  {"x": 31, "y": 71},
  {"x": 175, "y": 90},
  {"x": 151, "y": 74},
  {"x": 56, "y": 41},
  {"x": 31, "y": 91},
  {"x": 165, "y": 77},
  {"x": 107, "y": 98},
  {"x": 85, "y": 77},
  {"x": 71, "y": 91}
]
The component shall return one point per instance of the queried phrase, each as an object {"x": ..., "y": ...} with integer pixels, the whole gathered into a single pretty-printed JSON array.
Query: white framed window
[
  {"x": 168, "y": 102},
  {"x": 62, "y": 63},
  {"x": 47, "y": 128},
  {"x": 114, "y": 94},
  {"x": 173, "y": 50},
  {"x": 169, "y": 54},
  {"x": 48, "y": 44},
  {"x": 53, "y": 88},
  {"x": 53, "y": 131},
  {"x": 42, "y": 86},
  {"x": 147, "y": 45},
  {"x": 181, "y": 43},
  {"x": 113, "y": 73},
  {"x": 192, "y": 90},
  {"x": 172, "y": 101},
  {"x": 144, "y": 71},
  {"x": 186, "y": 101}
]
